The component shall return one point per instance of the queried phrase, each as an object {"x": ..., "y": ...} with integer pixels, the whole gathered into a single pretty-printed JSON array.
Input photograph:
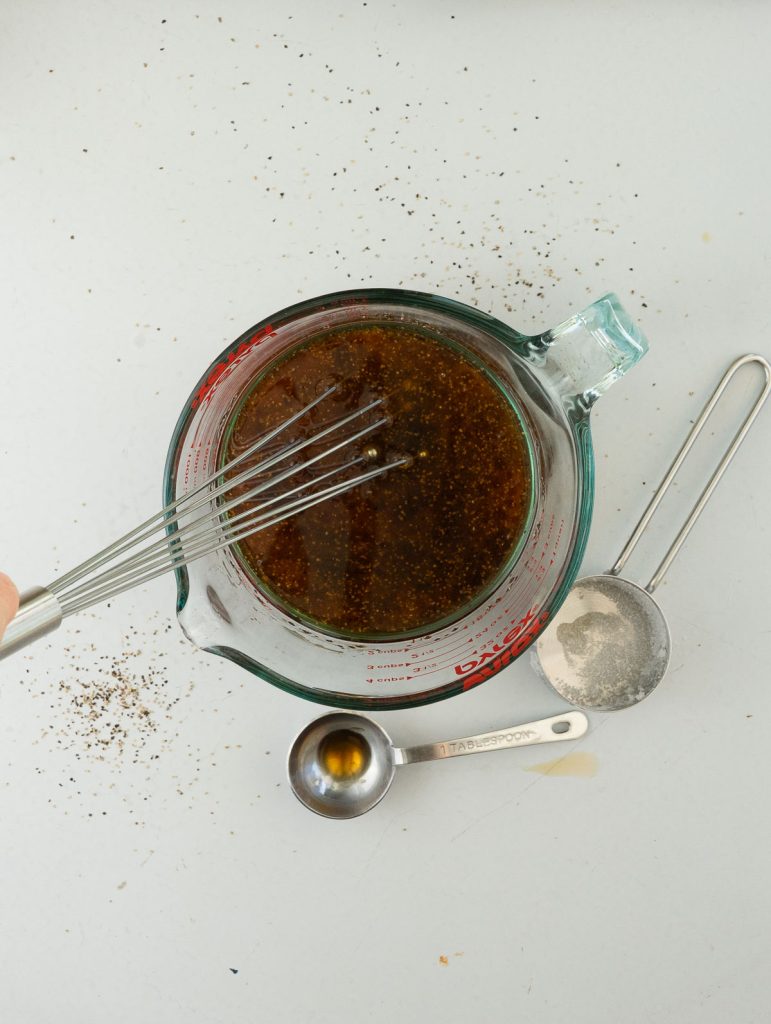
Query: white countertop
[{"x": 169, "y": 178}]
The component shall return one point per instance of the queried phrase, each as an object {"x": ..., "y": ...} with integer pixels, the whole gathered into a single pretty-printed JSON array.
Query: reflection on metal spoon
[{"x": 342, "y": 764}]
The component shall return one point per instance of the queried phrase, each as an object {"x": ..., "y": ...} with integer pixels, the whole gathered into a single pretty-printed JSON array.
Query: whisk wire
[
  {"x": 203, "y": 525},
  {"x": 163, "y": 544},
  {"x": 233, "y": 519},
  {"x": 216, "y": 541},
  {"x": 150, "y": 525}
]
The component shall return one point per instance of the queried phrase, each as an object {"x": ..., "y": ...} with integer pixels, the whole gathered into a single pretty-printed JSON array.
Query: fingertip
[{"x": 9, "y": 600}]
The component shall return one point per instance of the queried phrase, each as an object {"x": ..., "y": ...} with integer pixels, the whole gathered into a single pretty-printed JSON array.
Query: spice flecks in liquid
[{"x": 417, "y": 545}]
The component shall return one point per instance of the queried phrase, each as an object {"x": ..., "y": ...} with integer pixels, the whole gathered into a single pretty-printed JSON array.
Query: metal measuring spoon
[
  {"x": 342, "y": 764},
  {"x": 608, "y": 646}
]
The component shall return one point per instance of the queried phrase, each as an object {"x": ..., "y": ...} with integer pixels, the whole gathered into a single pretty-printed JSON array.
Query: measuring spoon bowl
[
  {"x": 608, "y": 646},
  {"x": 341, "y": 765}
]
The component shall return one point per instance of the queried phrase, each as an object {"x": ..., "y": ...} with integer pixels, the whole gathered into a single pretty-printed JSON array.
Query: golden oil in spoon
[{"x": 345, "y": 755}]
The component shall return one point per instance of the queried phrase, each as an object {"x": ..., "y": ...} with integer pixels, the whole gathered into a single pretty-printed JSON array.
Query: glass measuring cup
[{"x": 551, "y": 380}]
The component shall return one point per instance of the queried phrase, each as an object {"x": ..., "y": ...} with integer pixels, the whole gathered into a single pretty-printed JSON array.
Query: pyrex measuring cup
[{"x": 551, "y": 380}]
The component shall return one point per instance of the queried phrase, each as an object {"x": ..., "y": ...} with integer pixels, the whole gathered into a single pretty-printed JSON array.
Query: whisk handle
[{"x": 39, "y": 613}]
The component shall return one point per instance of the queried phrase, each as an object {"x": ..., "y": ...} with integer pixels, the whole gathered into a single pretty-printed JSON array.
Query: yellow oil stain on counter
[{"x": 580, "y": 764}]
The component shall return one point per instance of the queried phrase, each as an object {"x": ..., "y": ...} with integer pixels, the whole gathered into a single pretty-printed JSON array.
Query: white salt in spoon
[{"x": 608, "y": 646}]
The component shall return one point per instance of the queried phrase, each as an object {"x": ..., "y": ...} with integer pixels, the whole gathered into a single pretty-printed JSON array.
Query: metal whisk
[{"x": 205, "y": 519}]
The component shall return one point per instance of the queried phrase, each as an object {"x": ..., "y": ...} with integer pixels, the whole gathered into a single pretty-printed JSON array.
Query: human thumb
[{"x": 9, "y": 601}]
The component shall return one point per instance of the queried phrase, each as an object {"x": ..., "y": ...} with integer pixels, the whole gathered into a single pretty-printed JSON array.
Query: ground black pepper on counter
[{"x": 418, "y": 544}]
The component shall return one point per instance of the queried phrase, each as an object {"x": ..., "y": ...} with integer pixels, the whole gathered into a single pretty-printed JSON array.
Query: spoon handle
[{"x": 569, "y": 726}]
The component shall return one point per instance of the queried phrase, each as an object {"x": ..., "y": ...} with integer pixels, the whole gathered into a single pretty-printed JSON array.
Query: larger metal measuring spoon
[
  {"x": 342, "y": 764},
  {"x": 608, "y": 646}
]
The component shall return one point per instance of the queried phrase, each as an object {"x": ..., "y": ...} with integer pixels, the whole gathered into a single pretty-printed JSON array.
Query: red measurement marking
[
  {"x": 523, "y": 624},
  {"x": 462, "y": 638},
  {"x": 220, "y": 369},
  {"x": 507, "y": 655},
  {"x": 450, "y": 650}
]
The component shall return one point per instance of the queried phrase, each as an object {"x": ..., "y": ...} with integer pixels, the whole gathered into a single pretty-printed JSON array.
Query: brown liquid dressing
[{"x": 418, "y": 545}]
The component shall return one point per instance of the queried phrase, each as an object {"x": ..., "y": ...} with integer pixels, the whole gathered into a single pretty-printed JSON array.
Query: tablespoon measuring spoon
[
  {"x": 342, "y": 764},
  {"x": 608, "y": 646}
]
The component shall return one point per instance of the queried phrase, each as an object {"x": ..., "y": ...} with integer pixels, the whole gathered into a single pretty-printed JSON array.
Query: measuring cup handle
[
  {"x": 586, "y": 354},
  {"x": 706, "y": 494}
]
